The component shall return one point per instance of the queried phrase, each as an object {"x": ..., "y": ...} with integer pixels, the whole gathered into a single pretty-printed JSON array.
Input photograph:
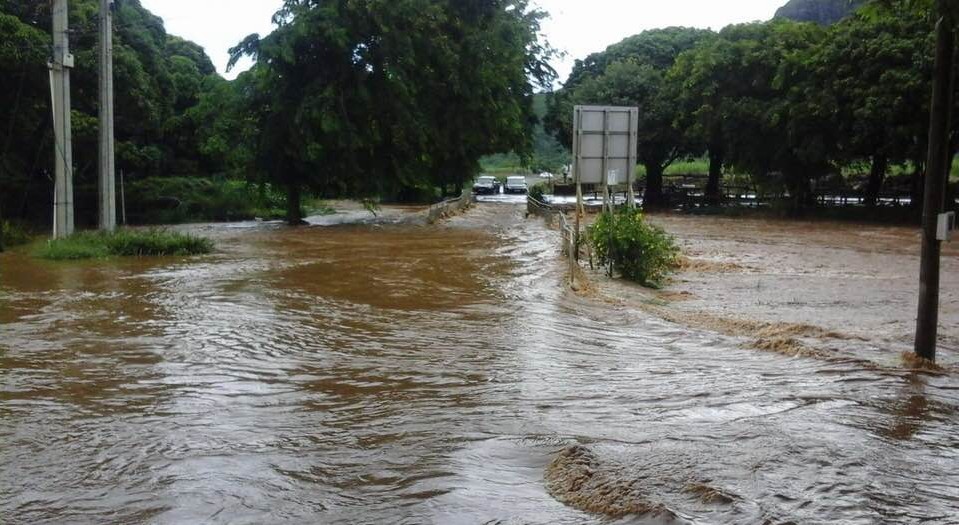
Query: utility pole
[
  {"x": 62, "y": 128},
  {"x": 938, "y": 165},
  {"x": 108, "y": 193}
]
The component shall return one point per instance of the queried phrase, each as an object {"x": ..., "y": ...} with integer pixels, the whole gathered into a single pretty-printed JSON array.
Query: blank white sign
[{"x": 604, "y": 144}]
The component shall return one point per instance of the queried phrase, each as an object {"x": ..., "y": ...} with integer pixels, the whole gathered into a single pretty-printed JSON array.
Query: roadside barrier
[
  {"x": 449, "y": 206},
  {"x": 569, "y": 234}
]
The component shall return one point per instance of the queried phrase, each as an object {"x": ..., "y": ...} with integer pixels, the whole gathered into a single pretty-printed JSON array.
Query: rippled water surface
[{"x": 400, "y": 373}]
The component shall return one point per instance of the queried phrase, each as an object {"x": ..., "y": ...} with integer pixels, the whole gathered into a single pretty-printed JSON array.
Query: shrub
[
  {"x": 636, "y": 249},
  {"x": 124, "y": 243},
  {"x": 538, "y": 192},
  {"x": 171, "y": 200},
  {"x": 12, "y": 234}
]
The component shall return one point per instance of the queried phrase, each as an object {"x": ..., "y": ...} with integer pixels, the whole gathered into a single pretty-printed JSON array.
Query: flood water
[{"x": 400, "y": 373}]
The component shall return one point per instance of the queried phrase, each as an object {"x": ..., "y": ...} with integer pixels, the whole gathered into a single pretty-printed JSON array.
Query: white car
[
  {"x": 486, "y": 185},
  {"x": 516, "y": 185}
]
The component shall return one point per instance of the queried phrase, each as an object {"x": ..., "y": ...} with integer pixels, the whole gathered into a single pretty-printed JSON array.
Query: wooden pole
[
  {"x": 60, "y": 97},
  {"x": 108, "y": 193},
  {"x": 937, "y": 174}
]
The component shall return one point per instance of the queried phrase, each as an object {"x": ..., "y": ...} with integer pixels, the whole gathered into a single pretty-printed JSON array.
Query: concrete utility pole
[
  {"x": 62, "y": 128},
  {"x": 108, "y": 194},
  {"x": 938, "y": 165}
]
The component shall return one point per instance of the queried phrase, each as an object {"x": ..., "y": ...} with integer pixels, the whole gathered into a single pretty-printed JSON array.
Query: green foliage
[
  {"x": 173, "y": 200},
  {"x": 789, "y": 104},
  {"x": 633, "y": 73},
  {"x": 371, "y": 205},
  {"x": 636, "y": 249},
  {"x": 12, "y": 234},
  {"x": 375, "y": 96},
  {"x": 124, "y": 243},
  {"x": 159, "y": 79},
  {"x": 538, "y": 191}
]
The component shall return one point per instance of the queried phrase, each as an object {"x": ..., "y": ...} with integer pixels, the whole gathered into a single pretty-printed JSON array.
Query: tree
[
  {"x": 161, "y": 77},
  {"x": 376, "y": 97},
  {"x": 746, "y": 95},
  {"x": 24, "y": 110},
  {"x": 629, "y": 83},
  {"x": 878, "y": 67},
  {"x": 632, "y": 73},
  {"x": 700, "y": 104}
]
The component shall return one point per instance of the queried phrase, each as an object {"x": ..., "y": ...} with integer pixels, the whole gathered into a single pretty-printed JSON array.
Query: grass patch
[{"x": 123, "y": 243}]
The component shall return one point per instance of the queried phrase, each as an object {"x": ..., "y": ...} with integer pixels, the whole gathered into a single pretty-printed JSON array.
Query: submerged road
[{"x": 400, "y": 373}]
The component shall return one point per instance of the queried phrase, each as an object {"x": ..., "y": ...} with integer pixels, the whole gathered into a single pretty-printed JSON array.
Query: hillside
[{"x": 823, "y": 12}]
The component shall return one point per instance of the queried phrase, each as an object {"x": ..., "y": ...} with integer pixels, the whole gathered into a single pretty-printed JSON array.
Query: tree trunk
[
  {"x": 653, "y": 197},
  {"x": 294, "y": 210},
  {"x": 801, "y": 196},
  {"x": 713, "y": 195},
  {"x": 877, "y": 174}
]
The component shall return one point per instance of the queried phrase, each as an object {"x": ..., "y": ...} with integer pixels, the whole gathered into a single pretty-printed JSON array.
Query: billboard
[{"x": 604, "y": 144}]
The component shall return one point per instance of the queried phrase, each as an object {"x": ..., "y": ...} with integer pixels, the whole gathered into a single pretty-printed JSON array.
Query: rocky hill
[{"x": 824, "y": 12}]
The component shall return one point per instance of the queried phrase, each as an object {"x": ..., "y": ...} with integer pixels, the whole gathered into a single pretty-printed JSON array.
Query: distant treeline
[
  {"x": 368, "y": 98},
  {"x": 790, "y": 104}
]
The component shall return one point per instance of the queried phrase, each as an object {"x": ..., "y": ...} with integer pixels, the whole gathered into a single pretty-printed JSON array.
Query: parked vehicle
[
  {"x": 486, "y": 185},
  {"x": 516, "y": 185}
]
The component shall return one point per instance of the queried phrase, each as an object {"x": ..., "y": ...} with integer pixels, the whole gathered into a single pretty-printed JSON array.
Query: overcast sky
[{"x": 579, "y": 27}]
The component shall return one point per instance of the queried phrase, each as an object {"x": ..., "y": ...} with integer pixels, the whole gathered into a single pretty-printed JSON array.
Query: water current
[{"x": 404, "y": 373}]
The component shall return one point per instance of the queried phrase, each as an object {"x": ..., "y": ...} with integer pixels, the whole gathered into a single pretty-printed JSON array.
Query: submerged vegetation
[
  {"x": 123, "y": 243},
  {"x": 632, "y": 247}
]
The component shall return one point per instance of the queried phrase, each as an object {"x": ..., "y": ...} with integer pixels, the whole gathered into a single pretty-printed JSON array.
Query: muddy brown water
[{"x": 398, "y": 373}]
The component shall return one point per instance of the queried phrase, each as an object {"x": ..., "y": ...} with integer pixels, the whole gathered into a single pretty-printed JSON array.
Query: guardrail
[
  {"x": 569, "y": 234},
  {"x": 449, "y": 206}
]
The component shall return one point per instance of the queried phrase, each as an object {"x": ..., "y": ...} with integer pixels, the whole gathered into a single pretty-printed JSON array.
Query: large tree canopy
[
  {"x": 378, "y": 97},
  {"x": 784, "y": 102}
]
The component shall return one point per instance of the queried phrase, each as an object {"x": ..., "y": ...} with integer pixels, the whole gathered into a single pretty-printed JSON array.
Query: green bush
[
  {"x": 123, "y": 243},
  {"x": 538, "y": 192},
  {"x": 636, "y": 249},
  {"x": 172, "y": 200},
  {"x": 12, "y": 234}
]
